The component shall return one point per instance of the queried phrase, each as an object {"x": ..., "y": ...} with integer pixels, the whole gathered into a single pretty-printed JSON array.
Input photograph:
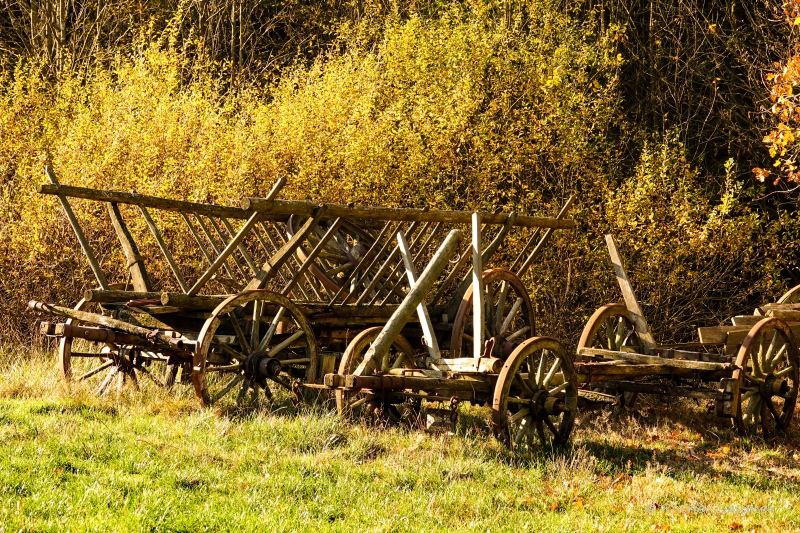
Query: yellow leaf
[{"x": 712, "y": 28}]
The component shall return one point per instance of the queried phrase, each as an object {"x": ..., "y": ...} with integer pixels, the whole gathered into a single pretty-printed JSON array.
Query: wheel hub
[
  {"x": 259, "y": 365},
  {"x": 773, "y": 386}
]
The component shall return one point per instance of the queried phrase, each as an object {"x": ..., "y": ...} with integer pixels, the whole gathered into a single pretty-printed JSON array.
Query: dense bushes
[{"x": 476, "y": 107}]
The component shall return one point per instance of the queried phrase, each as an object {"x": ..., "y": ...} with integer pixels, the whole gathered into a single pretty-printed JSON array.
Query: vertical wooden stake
[
  {"x": 422, "y": 309},
  {"x": 634, "y": 310},
  {"x": 477, "y": 287},
  {"x": 76, "y": 227}
]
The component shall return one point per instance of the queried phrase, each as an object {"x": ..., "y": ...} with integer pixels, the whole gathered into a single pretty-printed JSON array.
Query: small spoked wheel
[
  {"x": 373, "y": 407},
  {"x": 610, "y": 328},
  {"x": 105, "y": 365},
  {"x": 253, "y": 338},
  {"x": 508, "y": 315},
  {"x": 536, "y": 396},
  {"x": 768, "y": 379}
]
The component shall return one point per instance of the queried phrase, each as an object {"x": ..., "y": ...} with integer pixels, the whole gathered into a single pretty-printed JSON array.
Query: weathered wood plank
[
  {"x": 662, "y": 389},
  {"x": 653, "y": 359},
  {"x": 405, "y": 215},
  {"x": 637, "y": 317},
  {"x": 141, "y": 281}
]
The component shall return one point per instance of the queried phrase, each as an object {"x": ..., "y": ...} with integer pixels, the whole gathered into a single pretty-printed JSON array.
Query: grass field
[{"x": 155, "y": 461}]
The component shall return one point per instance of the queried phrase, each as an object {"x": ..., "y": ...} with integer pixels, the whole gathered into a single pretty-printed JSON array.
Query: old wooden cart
[
  {"x": 282, "y": 292},
  {"x": 749, "y": 369}
]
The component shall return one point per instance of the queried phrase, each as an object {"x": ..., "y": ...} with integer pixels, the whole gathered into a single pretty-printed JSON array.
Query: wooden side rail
[
  {"x": 287, "y": 207},
  {"x": 148, "y": 201}
]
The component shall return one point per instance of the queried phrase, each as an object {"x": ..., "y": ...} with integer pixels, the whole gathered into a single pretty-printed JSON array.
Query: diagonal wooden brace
[{"x": 417, "y": 294}]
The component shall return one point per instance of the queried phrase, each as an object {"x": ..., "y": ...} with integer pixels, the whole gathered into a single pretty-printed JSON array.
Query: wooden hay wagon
[
  {"x": 749, "y": 369},
  {"x": 281, "y": 293}
]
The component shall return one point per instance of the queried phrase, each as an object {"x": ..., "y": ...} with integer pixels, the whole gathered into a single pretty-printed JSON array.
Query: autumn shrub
[{"x": 471, "y": 109}]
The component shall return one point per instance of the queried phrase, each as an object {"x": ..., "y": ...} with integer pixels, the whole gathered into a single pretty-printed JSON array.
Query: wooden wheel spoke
[
  {"x": 774, "y": 412},
  {"x": 255, "y": 327},
  {"x": 540, "y": 370},
  {"x": 239, "y": 333},
  {"x": 227, "y": 388},
  {"x": 106, "y": 383},
  {"x": 610, "y": 334},
  {"x": 518, "y": 333},
  {"x": 489, "y": 316},
  {"x": 551, "y": 427},
  {"x": 526, "y": 390},
  {"x": 242, "y": 392},
  {"x": 755, "y": 359},
  {"x": 523, "y": 428},
  {"x": 510, "y": 317},
  {"x": 773, "y": 363},
  {"x": 273, "y": 327},
  {"x": 540, "y": 431},
  {"x": 556, "y": 390},
  {"x": 749, "y": 394},
  {"x": 223, "y": 368},
  {"x": 293, "y": 337},
  {"x": 94, "y": 371},
  {"x": 519, "y": 415},
  {"x": 785, "y": 371},
  {"x": 556, "y": 366},
  {"x": 228, "y": 350},
  {"x": 500, "y": 308},
  {"x": 619, "y": 334},
  {"x": 767, "y": 360}
]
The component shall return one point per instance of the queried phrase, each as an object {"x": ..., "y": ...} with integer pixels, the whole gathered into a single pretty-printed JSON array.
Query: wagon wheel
[
  {"x": 341, "y": 253},
  {"x": 102, "y": 364},
  {"x": 250, "y": 339},
  {"x": 356, "y": 404},
  {"x": 537, "y": 391},
  {"x": 610, "y": 328},
  {"x": 792, "y": 296},
  {"x": 768, "y": 378},
  {"x": 508, "y": 315}
]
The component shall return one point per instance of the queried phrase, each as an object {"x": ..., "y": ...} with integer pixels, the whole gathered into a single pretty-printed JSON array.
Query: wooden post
[
  {"x": 141, "y": 281},
  {"x": 417, "y": 293},
  {"x": 477, "y": 287},
  {"x": 639, "y": 323},
  {"x": 76, "y": 227},
  {"x": 422, "y": 309}
]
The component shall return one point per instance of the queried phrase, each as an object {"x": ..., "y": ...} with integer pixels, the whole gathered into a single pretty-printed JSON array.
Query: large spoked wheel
[
  {"x": 768, "y": 379},
  {"x": 373, "y": 407},
  {"x": 536, "y": 396},
  {"x": 252, "y": 338},
  {"x": 339, "y": 255},
  {"x": 610, "y": 328},
  {"x": 103, "y": 365},
  {"x": 508, "y": 315},
  {"x": 792, "y": 296}
]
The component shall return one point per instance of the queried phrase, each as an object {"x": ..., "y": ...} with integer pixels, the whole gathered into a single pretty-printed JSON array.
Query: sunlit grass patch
[{"x": 153, "y": 460}]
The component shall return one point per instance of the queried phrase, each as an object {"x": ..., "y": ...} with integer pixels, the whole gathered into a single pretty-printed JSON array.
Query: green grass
[{"x": 155, "y": 461}]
